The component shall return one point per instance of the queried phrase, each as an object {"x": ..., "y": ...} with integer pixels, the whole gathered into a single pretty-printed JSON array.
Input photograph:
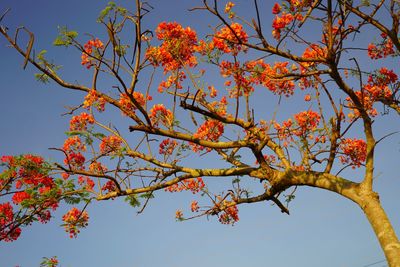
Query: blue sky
[{"x": 322, "y": 230}]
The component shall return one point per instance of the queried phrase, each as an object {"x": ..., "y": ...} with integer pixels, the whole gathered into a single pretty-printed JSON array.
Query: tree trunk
[{"x": 382, "y": 227}]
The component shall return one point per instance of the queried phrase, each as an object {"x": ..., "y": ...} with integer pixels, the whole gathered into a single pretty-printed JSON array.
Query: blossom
[
  {"x": 228, "y": 7},
  {"x": 381, "y": 50},
  {"x": 307, "y": 121},
  {"x": 276, "y": 9},
  {"x": 177, "y": 48},
  {"x": 87, "y": 182},
  {"x": 160, "y": 114},
  {"x": 229, "y": 214},
  {"x": 194, "y": 206},
  {"x": 127, "y": 105},
  {"x": 210, "y": 130},
  {"x": 88, "y": 50},
  {"x": 8, "y": 231},
  {"x": 195, "y": 185},
  {"x": 167, "y": 146},
  {"x": 109, "y": 186},
  {"x": 80, "y": 122},
  {"x": 97, "y": 168},
  {"x": 75, "y": 160},
  {"x": 231, "y": 39},
  {"x": 179, "y": 215},
  {"x": 74, "y": 143},
  {"x": 110, "y": 144},
  {"x": 354, "y": 150},
  {"x": 73, "y": 220},
  {"x": 92, "y": 99}
]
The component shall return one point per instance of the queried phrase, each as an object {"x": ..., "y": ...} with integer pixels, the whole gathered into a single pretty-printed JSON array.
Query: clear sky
[{"x": 322, "y": 230}]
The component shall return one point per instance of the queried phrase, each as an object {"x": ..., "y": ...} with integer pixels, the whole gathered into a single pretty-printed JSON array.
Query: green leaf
[
  {"x": 147, "y": 195},
  {"x": 65, "y": 37},
  {"x": 42, "y": 77},
  {"x": 132, "y": 200}
]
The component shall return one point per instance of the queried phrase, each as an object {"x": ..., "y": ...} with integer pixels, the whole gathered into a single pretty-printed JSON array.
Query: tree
[{"x": 188, "y": 115}]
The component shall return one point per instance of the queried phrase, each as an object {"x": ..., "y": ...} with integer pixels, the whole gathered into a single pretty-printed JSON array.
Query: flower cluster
[
  {"x": 243, "y": 84},
  {"x": 26, "y": 178},
  {"x": 86, "y": 182},
  {"x": 314, "y": 52},
  {"x": 229, "y": 214},
  {"x": 109, "y": 186},
  {"x": 127, "y": 105},
  {"x": 281, "y": 22},
  {"x": 194, "y": 206},
  {"x": 160, "y": 114},
  {"x": 75, "y": 160},
  {"x": 378, "y": 84},
  {"x": 167, "y": 147},
  {"x": 177, "y": 48},
  {"x": 228, "y": 9},
  {"x": 97, "y": 168},
  {"x": 382, "y": 49},
  {"x": 8, "y": 231},
  {"x": 80, "y": 122},
  {"x": 179, "y": 215},
  {"x": 231, "y": 39},
  {"x": 195, "y": 185},
  {"x": 49, "y": 262},
  {"x": 284, "y": 131},
  {"x": 93, "y": 99},
  {"x": 75, "y": 219},
  {"x": 307, "y": 121},
  {"x": 210, "y": 130},
  {"x": 354, "y": 150},
  {"x": 377, "y": 88},
  {"x": 74, "y": 143},
  {"x": 173, "y": 81},
  {"x": 88, "y": 50},
  {"x": 270, "y": 78},
  {"x": 110, "y": 144}
]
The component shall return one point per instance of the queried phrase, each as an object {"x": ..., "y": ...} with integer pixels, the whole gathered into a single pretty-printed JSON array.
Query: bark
[{"x": 382, "y": 227}]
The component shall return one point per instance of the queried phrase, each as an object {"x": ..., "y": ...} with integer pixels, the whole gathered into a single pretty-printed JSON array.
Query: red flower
[
  {"x": 167, "y": 146},
  {"x": 20, "y": 196},
  {"x": 276, "y": 9}
]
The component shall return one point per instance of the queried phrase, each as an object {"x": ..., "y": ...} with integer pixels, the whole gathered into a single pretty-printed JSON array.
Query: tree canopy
[{"x": 297, "y": 94}]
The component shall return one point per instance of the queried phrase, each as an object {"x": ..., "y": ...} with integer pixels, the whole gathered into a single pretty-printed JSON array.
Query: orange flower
[
  {"x": 231, "y": 39},
  {"x": 179, "y": 215},
  {"x": 73, "y": 220},
  {"x": 92, "y": 99},
  {"x": 79, "y": 123},
  {"x": 210, "y": 130},
  {"x": 160, "y": 114},
  {"x": 195, "y": 185},
  {"x": 176, "y": 49},
  {"x": 88, "y": 50},
  {"x": 355, "y": 151},
  {"x": 228, "y": 7},
  {"x": 194, "y": 206},
  {"x": 307, "y": 121},
  {"x": 110, "y": 144}
]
